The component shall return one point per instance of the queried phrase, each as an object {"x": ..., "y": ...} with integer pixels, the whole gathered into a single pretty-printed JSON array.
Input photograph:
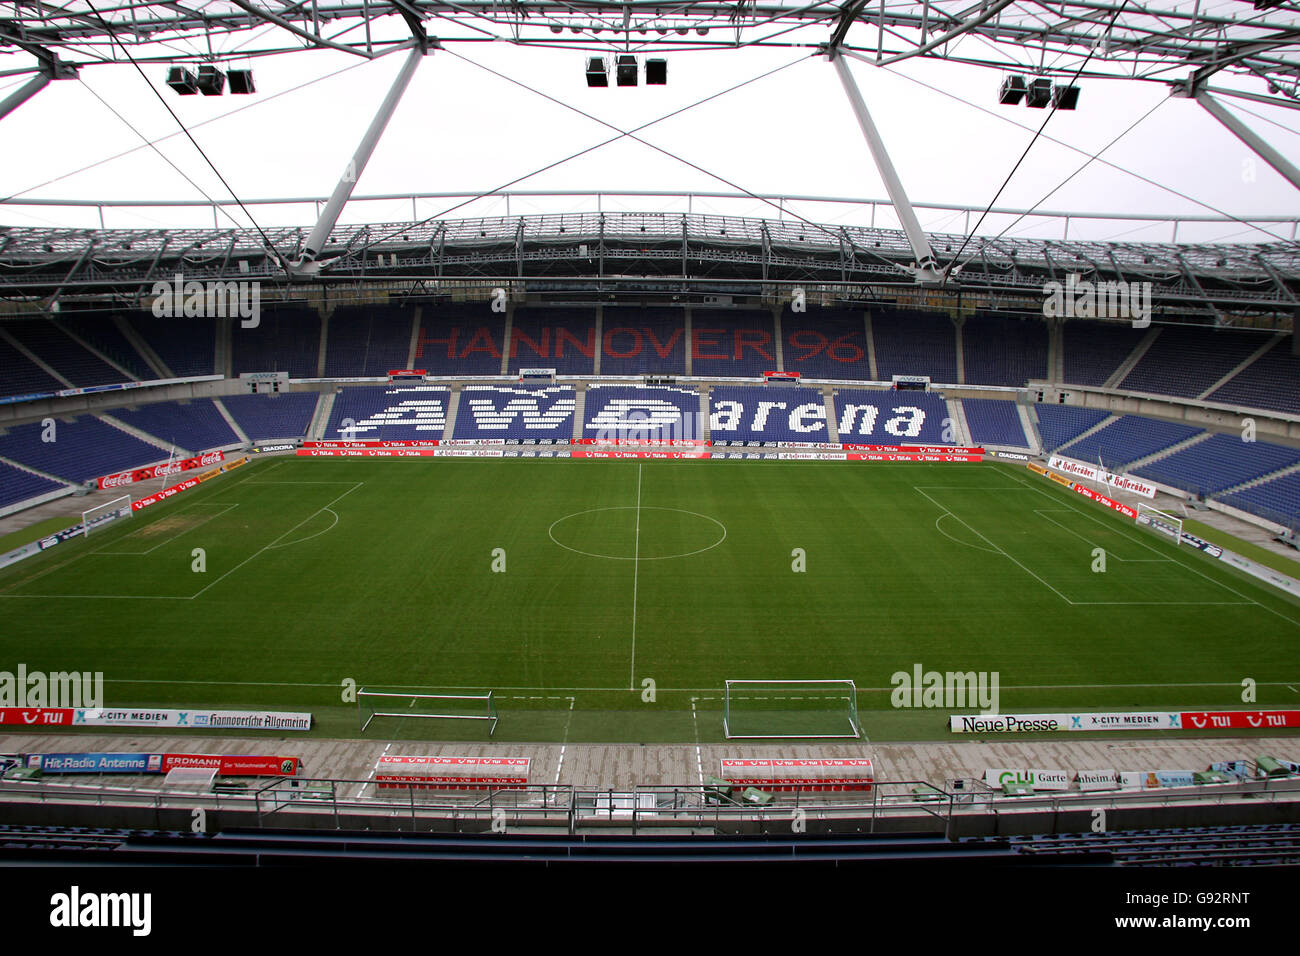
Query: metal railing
[{"x": 918, "y": 804}]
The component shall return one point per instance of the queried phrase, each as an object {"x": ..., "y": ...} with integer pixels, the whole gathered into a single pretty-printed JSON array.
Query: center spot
[{"x": 613, "y": 533}]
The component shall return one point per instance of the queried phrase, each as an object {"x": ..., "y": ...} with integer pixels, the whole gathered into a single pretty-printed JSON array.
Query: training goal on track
[
  {"x": 1162, "y": 521},
  {"x": 97, "y": 517},
  {"x": 399, "y": 705},
  {"x": 791, "y": 708}
]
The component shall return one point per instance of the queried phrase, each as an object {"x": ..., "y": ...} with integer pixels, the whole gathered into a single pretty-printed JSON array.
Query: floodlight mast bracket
[
  {"x": 925, "y": 270},
  {"x": 308, "y": 264},
  {"x": 1194, "y": 89},
  {"x": 51, "y": 68}
]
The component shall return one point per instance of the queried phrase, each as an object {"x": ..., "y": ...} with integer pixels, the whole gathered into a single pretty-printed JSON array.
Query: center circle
[{"x": 671, "y": 533}]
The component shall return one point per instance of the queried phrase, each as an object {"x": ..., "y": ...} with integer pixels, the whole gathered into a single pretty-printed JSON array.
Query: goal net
[
  {"x": 1161, "y": 521},
  {"x": 100, "y": 515},
  {"x": 399, "y": 705},
  {"x": 791, "y": 708}
]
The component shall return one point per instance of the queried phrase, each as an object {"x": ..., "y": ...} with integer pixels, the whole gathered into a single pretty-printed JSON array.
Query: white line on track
[
  {"x": 699, "y": 764},
  {"x": 361, "y": 788},
  {"x": 565, "y": 744}
]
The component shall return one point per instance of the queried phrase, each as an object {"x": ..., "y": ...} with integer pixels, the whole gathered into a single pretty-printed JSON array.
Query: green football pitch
[{"x": 610, "y": 600}]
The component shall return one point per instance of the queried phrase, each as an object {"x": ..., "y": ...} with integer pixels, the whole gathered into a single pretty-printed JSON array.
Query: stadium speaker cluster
[
  {"x": 627, "y": 70},
  {"x": 1037, "y": 92},
  {"x": 209, "y": 81}
]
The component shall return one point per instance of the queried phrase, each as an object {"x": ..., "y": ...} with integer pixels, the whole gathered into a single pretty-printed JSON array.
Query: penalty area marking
[{"x": 310, "y": 536}]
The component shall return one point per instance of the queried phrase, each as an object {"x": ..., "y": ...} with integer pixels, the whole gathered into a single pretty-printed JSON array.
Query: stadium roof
[{"x": 1165, "y": 42}]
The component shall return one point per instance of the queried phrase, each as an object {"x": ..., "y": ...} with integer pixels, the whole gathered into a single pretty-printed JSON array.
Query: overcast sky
[{"x": 460, "y": 128}]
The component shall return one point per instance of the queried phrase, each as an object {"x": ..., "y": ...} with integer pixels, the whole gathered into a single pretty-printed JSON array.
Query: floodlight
[
  {"x": 1013, "y": 90},
  {"x": 182, "y": 81},
  {"x": 1039, "y": 93},
  {"x": 212, "y": 82},
  {"x": 241, "y": 82},
  {"x": 625, "y": 69},
  {"x": 597, "y": 71},
  {"x": 1065, "y": 97}
]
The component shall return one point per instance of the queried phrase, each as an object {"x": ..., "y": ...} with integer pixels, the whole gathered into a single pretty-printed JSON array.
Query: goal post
[
  {"x": 101, "y": 515},
  {"x": 402, "y": 704},
  {"x": 1161, "y": 521},
  {"x": 823, "y": 709}
]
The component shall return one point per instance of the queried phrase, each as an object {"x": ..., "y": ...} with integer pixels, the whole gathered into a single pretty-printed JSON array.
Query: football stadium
[{"x": 650, "y": 523}]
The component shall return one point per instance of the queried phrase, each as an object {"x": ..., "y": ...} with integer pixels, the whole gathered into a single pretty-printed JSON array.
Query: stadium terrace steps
[
  {"x": 69, "y": 359},
  {"x": 367, "y": 340},
  {"x": 124, "y": 374},
  {"x": 261, "y": 417},
  {"x": 21, "y": 375},
  {"x": 990, "y": 421},
  {"x": 1062, "y": 424},
  {"x": 194, "y": 424},
  {"x": 188, "y": 347},
  {"x": 1186, "y": 361},
  {"x": 1164, "y": 453},
  {"x": 1276, "y": 499},
  {"x": 959, "y": 343},
  {"x": 1244, "y": 364},
  {"x": 1223, "y": 462},
  {"x": 1262, "y": 480},
  {"x": 137, "y": 342},
  {"x": 1139, "y": 352},
  {"x": 111, "y": 419},
  {"x": 321, "y": 417},
  {"x": 230, "y": 420},
  {"x": 414, "y": 342},
  {"x": 87, "y": 447},
  {"x": 1091, "y": 352},
  {"x": 19, "y": 482},
  {"x": 909, "y": 342},
  {"x": 1272, "y": 381},
  {"x": 832, "y": 425},
  {"x": 1000, "y": 350},
  {"x": 1127, "y": 439},
  {"x": 35, "y": 359},
  {"x": 1029, "y": 421},
  {"x": 453, "y": 410},
  {"x": 580, "y": 411}
]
